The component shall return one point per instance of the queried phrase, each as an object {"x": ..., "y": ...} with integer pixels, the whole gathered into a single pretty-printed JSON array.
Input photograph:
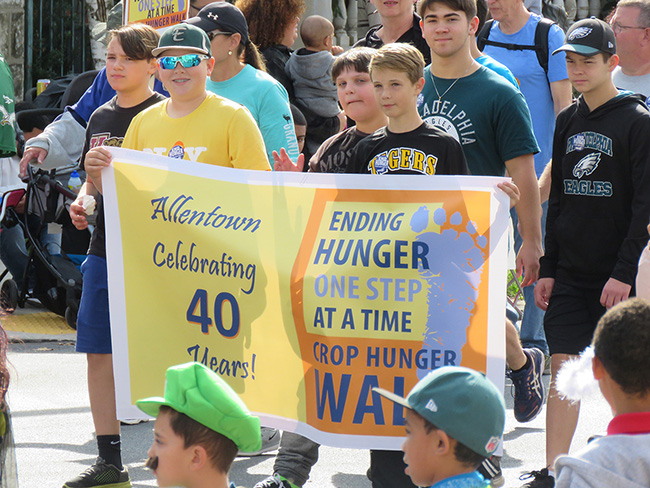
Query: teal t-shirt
[
  {"x": 534, "y": 83},
  {"x": 498, "y": 68},
  {"x": 7, "y": 117},
  {"x": 268, "y": 102},
  {"x": 468, "y": 480},
  {"x": 485, "y": 113}
]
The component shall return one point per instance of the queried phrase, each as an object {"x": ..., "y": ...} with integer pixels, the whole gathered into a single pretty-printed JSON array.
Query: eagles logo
[
  {"x": 5, "y": 117},
  {"x": 579, "y": 33},
  {"x": 586, "y": 165}
]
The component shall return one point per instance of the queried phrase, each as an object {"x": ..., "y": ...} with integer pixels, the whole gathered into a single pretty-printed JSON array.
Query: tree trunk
[{"x": 96, "y": 18}]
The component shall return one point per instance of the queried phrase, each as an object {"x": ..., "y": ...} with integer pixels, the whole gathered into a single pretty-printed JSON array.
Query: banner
[
  {"x": 159, "y": 14},
  {"x": 303, "y": 291}
]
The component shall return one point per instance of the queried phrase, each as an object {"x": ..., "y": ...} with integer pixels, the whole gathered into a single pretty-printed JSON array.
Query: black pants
[{"x": 387, "y": 470}]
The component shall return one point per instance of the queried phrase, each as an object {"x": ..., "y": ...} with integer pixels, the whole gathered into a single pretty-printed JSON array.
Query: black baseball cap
[
  {"x": 221, "y": 16},
  {"x": 589, "y": 37}
]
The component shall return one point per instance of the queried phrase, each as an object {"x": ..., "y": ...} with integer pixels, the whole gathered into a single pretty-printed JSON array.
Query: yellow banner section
[
  {"x": 159, "y": 14},
  {"x": 303, "y": 291}
]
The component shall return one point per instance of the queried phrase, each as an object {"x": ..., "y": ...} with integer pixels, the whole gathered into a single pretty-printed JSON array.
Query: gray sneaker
[{"x": 270, "y": 442}]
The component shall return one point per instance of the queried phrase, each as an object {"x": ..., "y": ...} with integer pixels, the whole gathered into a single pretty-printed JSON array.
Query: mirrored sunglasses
[{"x": 187, "y": 61}]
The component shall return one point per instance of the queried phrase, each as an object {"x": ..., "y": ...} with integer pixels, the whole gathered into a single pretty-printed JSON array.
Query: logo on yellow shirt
[{"x": 177, "y": 151}]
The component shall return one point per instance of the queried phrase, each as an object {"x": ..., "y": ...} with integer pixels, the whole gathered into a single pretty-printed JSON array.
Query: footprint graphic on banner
[{"x": 456, "y": 256}]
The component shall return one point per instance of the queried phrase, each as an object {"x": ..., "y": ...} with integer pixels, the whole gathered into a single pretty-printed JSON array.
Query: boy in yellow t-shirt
[{"x": 194, "y": 124}]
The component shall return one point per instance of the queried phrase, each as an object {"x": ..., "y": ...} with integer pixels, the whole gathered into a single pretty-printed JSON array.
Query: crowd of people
[{"x": 473, "y": 97}]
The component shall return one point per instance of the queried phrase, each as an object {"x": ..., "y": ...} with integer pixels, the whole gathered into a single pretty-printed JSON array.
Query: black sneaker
[
  {"x": 490, "y": 469},
  {"x": 529, "y": 389},
  {"x": 275, "y": 481},
  {"x": 540, "y": 479},
  {"x": 101, "y": 475}
]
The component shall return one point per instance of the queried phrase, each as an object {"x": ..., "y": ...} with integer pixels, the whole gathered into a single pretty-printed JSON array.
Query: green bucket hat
[
  {"x": 461, "y": 402},
  {"x": 204, "y": 396}
]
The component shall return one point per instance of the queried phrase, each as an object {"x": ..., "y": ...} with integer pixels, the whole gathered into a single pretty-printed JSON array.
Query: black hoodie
[{"x": 599, "y": 204}]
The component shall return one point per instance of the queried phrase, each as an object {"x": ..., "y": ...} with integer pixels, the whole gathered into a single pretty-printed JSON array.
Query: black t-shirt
[
  {"x": 107, "y": 127},
  {"x": 426, "y": 150},
  {"x": 412, "y": 36},
  {"x": 334, "y": 154}
]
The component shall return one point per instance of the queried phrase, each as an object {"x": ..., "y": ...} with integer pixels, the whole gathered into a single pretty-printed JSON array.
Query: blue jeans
[
  {"x": 532, "y": 325},
  {"x": 13, "y": 252},
  {"x": 93, "y": 319}
]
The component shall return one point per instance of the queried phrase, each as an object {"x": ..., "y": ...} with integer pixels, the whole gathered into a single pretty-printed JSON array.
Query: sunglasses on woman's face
[
  {"x": 213, "y": 34},
  {"x": 187, "y": 61}
]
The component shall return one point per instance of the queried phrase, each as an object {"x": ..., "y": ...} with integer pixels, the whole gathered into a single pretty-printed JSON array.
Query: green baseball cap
[
  {"x": 204, "y": 396},
  {"x": 184, "y": 36},
  {"x": 461, "y": 402}
]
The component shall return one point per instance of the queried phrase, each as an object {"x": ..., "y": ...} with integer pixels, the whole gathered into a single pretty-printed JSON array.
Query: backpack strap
[
  {"x": 541, "y": 41},
  {"x": 540, "y": 46},
  {"x": 484, "y": 34}
]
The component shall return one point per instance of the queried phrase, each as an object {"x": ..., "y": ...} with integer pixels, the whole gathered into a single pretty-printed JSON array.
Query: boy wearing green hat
[
  {"x": 201, "y": 424},
  {"x": 454, "y": 419}
]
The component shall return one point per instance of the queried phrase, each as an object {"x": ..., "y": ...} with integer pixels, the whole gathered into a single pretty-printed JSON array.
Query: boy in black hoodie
[{"x": 598, "y": 211}]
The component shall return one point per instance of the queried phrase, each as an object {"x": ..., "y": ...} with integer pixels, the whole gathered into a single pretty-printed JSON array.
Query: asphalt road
[{"x": 55, "y": 441}]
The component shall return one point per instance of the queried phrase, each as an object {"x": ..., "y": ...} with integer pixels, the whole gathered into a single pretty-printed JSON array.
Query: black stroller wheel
[
  {"x": 9, "y": 296},
  {"x": 71, "y": 317}
]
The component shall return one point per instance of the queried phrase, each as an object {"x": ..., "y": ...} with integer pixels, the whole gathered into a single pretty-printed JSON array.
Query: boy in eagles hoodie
[{"x": 598, "y": 212}]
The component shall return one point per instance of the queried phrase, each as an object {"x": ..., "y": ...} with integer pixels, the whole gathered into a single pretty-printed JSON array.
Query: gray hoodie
[
  {"x": 614, "y": 461},
  {"x": 311, "y": 75}
]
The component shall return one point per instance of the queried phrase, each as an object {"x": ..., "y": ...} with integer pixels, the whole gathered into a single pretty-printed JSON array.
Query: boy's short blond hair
[{"x": 400, "y": 57}]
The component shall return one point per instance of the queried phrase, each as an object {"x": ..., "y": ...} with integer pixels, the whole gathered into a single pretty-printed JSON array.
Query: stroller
[{"x": 55, "y": 277}]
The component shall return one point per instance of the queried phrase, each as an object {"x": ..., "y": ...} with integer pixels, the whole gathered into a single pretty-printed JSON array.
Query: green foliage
[
  {"x": 512, "y": 287},
  {"x": 61, "y": 43}
]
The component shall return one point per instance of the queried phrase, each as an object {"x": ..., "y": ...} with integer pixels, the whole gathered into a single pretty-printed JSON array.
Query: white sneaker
[{"x": 270, "y": 442}]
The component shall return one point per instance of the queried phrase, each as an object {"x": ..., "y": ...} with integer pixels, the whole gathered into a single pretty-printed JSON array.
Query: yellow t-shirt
[{"x": 218, "y": 132}]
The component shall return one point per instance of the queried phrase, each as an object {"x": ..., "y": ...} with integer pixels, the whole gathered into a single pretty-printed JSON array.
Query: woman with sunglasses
[{"x": 239, "y": 75}]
